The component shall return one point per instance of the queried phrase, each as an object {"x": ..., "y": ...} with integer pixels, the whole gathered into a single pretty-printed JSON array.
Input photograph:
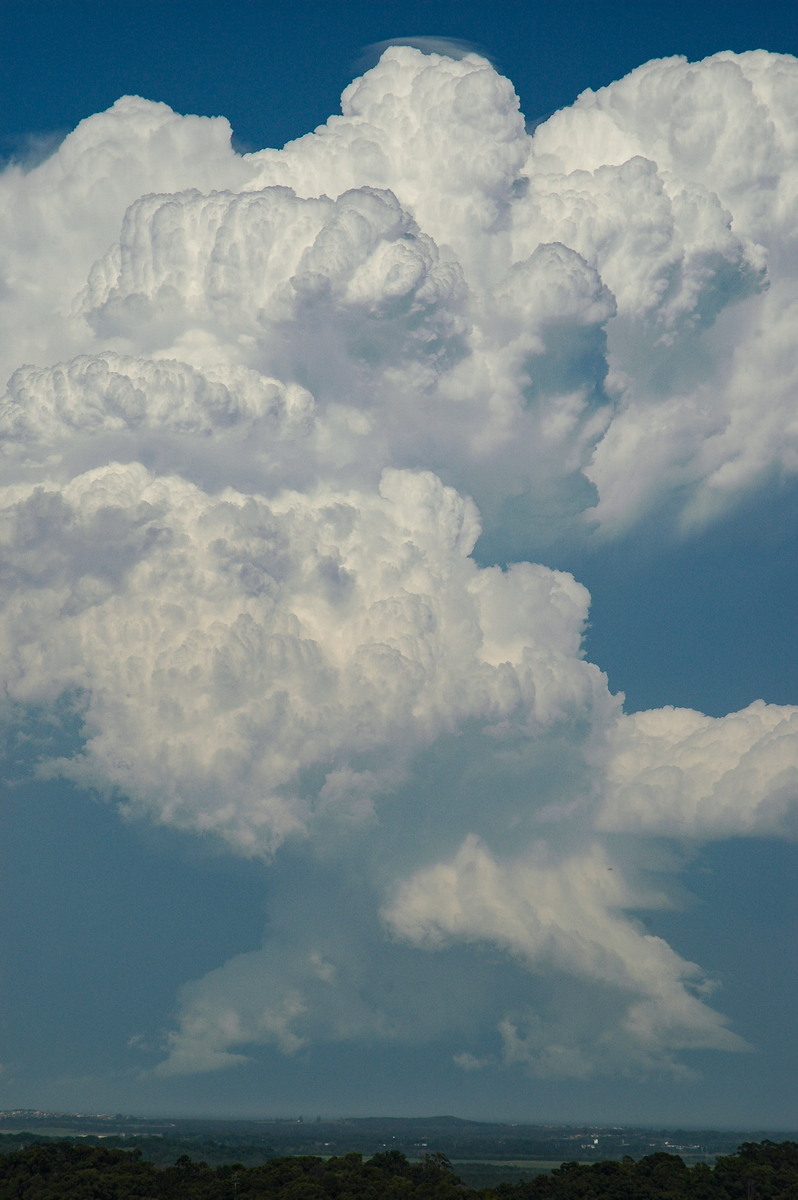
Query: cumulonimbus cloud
[{"x": 260, "y": 409}]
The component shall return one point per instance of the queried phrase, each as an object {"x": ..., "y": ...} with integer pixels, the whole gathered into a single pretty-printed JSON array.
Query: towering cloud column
[{"x": 283, "y": 438}]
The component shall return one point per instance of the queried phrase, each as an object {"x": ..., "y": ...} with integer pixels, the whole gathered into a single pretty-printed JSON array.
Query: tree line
[{"x": 66, "y": 1171}]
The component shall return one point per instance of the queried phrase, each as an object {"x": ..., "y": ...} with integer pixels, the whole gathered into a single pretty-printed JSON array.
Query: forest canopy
[{"x": 58, "y": 1170}]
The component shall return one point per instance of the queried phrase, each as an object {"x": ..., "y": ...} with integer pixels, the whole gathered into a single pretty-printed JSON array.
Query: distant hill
[{"x": 249, "y": 1141}]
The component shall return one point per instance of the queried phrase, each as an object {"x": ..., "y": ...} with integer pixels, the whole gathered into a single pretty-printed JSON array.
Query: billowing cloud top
[{"x": 261, "y": 408}]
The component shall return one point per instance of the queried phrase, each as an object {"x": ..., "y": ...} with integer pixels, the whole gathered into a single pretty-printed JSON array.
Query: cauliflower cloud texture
[{"x": 261, "y": 410}]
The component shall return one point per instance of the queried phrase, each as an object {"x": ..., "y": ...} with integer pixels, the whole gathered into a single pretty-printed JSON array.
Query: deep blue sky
[
  {"x": 277, "y": 70},
  {"x": 711, "y": 623}
]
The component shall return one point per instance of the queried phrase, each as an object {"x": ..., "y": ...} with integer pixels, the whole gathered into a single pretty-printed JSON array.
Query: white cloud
[
  {"x": 447, "y": 47},
  {"x": 676, "y": 772},
  {"x": 675, "y": 186},
  {"x": 260, "y": 409},
  {"x": 567, "y": 914},
  {"x": 692, "y": 419},
  {"x": 56, "y": 219},
  {"x": 219, "y": 646}
]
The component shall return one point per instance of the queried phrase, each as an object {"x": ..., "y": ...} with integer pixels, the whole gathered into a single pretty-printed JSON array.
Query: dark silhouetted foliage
[{"x": 66, "y": 1171}]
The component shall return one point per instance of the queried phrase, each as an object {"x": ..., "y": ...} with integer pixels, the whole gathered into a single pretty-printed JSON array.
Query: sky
[{"x": 398, "y": 497}]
